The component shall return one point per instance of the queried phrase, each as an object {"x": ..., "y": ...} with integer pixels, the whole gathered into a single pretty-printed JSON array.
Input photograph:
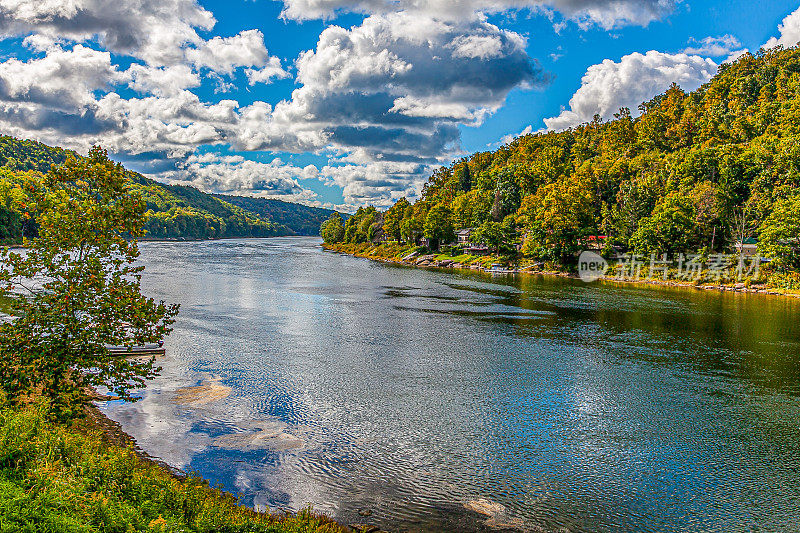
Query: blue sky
[{"x": 347, "y": 102}]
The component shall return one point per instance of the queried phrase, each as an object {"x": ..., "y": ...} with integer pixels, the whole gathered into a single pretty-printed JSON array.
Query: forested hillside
[
  {"x": 696, "y": 172},
  {"x": 175, "y": 212},
  {"x": 301, "y": 219}
]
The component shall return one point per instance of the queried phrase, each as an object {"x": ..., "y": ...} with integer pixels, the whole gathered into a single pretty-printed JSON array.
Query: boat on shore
[
  {"x": 151, "y": 350},
  {"x": 497, "y": 268}
]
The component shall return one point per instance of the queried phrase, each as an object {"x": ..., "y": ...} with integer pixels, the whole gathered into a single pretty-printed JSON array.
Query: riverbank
[
  {"x": 415, "y": 257},
  {"x": 88, "y": 476},
  {"x": 471, "y": 516}
]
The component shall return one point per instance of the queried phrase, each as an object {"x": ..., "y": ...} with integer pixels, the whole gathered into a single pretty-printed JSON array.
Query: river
[{"x": 412, "y": 395}]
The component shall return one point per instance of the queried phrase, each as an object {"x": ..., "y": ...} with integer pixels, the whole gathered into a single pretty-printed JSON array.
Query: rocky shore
[{"x": 430, "y": 261}]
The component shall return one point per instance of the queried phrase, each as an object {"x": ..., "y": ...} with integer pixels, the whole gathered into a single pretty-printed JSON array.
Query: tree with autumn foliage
[
  {"x": 76, "y": 289},
  {"x": 393, "y": 219},
  {"x": 556, "y": 218},
  {"x": 689, "y": 172}
]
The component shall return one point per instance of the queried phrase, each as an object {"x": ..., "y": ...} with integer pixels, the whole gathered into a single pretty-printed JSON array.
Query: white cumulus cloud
[
  {"x": 789, "y": 30},
  {"x": 393, "y": 88},
  {"x": 714, "y": 46},
  {"x": 239, "y": 176},
  {"x": 271, "y": 70},
  {"x": 224, "y": 54},
  {"x": 62, "y": 79},
  {"x": 162, "y": 81},
  {"x": 636, "y": 78},
  {"x": 379, "y": 184},
  {"x": 153, "y": 30},
  {"x": 605, "y": 13}
]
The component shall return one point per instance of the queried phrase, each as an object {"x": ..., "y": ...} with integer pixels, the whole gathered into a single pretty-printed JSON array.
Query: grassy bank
[
  {"x": 73, "y": 478},
  {"x": 392, "y": 251}
]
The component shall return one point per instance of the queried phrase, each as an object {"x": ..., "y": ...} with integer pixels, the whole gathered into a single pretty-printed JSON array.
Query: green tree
[
  {"x": 670, "y": 229},
  {"x": 490, "y": 234},
  {"x": 471, "y": 209},
  {"x": 351, "y": 226},
  {"x": 635, "y": 201},
  {"x": 439, "y": 225},
  {"x": 362, "y": 226},
  {"x": 708, "y": 214},
  {"x": 556, "y": 218},
  {"x": 367, "y": 226},
  {"x": 500, "y": 237},
  {"x": 506, "y": 195},
  {"x": 463, "y": 209},
  {"x": 77, "y": 290},
  {"x": 332, "y": 230},
  {"x": 411, "y": 227},
  {"x": 510, "y": 235},
  {"x": 779, "y": 234},
  {"x": 464, "y": 178},
  {"x": 393, "y": 219}
]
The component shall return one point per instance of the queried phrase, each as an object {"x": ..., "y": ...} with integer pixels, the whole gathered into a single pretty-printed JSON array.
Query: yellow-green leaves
[{"x": 76, "y": 289}]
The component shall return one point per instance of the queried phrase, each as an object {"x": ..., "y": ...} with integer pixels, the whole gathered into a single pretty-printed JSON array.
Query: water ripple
[{"x": 461, "y": 402}]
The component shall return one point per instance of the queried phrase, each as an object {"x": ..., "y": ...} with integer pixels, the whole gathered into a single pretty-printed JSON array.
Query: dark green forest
[
  {"x": 694, "y": 172},
  {"x": 301, "y": 219}
]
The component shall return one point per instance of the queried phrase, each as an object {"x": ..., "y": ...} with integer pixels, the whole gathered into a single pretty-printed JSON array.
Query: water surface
[{"x": 353, "y": 385}]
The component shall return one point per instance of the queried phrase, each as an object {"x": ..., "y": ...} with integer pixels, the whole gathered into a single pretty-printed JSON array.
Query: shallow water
[{"x": 546, "y": 403}]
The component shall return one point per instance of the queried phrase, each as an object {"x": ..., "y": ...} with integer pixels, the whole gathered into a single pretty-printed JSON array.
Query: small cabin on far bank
[
  {"x": 476, "y": 249},
  {"x": 595, "y": 242},
  {"x": 748, "y": 247},
  {"x": 464, "y": 239}
]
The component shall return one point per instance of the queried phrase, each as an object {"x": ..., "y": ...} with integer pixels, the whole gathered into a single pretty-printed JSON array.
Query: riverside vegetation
[
  {"x": 68, "y": 477},
  {"x": 696, "y": 172},
  {"x": 74, "y": 291}
]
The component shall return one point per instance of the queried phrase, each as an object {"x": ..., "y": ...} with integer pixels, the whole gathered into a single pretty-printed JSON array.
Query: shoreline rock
[
  {"x": 200, "y": 395},
  {"x": 427, "y": 261}
]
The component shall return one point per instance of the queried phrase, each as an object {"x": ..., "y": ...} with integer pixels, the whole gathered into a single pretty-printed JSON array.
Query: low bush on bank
[
  {"x": 789, "y": 281},
  {"x": 67, "y": 478},
  {"x": 464, "y": 259},
  {"x": 387, "y": 250}
]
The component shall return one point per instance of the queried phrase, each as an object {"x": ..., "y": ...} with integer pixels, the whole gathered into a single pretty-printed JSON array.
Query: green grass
[
  {"x": 5, "y": 304},
  {"x": 464, "y": 259},
  {"x": 61, "y": 479},
  {"x": 387, "y": 250}
]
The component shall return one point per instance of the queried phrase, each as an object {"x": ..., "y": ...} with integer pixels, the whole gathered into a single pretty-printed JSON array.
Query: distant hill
[
  {"x": 21, "y": 155},
  {"x": 300, "y": 219},
  {"x": 175, "y": 212}
]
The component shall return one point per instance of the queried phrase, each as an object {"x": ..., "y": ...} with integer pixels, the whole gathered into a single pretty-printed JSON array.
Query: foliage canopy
[
  {"x": 76, "y": 289},
  {"x": 700, "y": 171}
]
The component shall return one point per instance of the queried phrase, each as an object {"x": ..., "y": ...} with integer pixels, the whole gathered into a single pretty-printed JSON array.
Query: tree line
[
  {"x": 172, "y": 211},
  {"x": 695, "y": 172}
]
